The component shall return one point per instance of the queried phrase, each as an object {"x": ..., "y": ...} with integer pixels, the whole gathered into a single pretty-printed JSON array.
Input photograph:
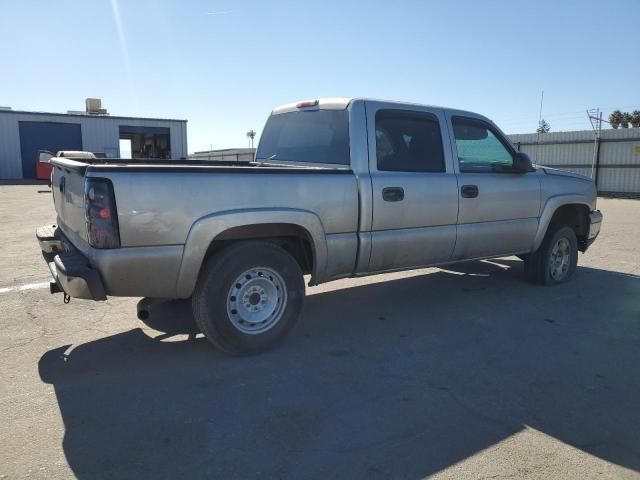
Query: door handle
[
  {"x": 469, "y": 191},
  {"x": 393, "y": 194}
]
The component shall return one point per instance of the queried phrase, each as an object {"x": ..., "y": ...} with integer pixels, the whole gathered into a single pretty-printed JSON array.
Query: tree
[
  {"x": 543, "y": 127},
  {"x": 625, "y": 120},
  {"x": 615, "y": 118},
  {"x": 251, "y": 135},
  {"x": 635, "y": 119}
]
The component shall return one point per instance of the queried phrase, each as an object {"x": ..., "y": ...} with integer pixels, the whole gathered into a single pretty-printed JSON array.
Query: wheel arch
[
  {"x": 299, "y": 231},
  {"x": 571, "y": 210}
]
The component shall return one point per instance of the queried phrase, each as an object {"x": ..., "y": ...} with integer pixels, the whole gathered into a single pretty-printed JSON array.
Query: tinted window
[
  {"x": 479, "y": 148},
  {"x": 44, "y": 157},
  {"x": 318, "y": 136},
  {"x": 408, "y": 142}
]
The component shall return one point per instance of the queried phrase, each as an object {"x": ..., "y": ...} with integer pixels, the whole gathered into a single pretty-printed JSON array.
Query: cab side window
[
  {"x": 480, "y": 149},
  {"x": 408, "y": 141}
]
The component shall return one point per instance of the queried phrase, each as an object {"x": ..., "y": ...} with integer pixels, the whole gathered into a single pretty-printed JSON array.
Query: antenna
[
  {"x": 535, "y": 158},
  {"x": 595, "y": 117},
  {"x": 541, "y": 100}
]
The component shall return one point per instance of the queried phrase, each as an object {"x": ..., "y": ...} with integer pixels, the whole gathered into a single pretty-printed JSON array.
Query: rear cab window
[
  {"x": 408, "y": 141},
  {"x": 310, "y": 136}
]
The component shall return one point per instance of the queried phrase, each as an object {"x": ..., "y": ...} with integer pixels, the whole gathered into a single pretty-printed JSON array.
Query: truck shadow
[
  {"x": 397, "y": 379},
  {"x": 23, "y": 181}
]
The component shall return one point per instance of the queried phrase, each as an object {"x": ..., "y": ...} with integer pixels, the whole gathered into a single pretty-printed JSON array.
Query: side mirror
[{"x": 522, "y": 163}]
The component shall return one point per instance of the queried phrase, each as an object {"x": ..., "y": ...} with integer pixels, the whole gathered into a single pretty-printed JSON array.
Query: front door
[
  {"x": 415, "y": 191},
  {"x": 43, "y": 165},
  {"x": 499, "y": 208}
]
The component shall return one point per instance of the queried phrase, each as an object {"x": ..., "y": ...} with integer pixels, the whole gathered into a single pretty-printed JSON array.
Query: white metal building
[
  {"x": 22, "y": 134},
  {"x": 226, "y": 155},
  {"x": 613, "y": 161}
]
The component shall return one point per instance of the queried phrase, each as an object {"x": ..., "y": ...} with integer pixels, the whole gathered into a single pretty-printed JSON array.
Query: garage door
[{"x": 51, "y": 136}]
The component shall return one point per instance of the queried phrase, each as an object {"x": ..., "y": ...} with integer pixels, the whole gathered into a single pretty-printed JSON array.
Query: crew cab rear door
[{"x": 415, "y": 190}]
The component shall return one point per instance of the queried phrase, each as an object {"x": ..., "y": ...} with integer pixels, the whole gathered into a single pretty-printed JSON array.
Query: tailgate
[{"x": 67, "y": 186}]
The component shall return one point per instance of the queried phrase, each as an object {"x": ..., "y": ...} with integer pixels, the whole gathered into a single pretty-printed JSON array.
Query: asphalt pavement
[{"x": 459, "y": 373}]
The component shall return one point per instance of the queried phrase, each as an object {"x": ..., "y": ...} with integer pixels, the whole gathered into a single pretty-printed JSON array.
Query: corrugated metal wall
[
  {"x": 10, "y": 158},
  {"x": 619, "y": 158},
  {"x": 227, "y": 155},
  {"x": 99, "y": 134}
]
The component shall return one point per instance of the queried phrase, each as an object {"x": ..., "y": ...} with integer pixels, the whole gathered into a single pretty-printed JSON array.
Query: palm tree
[
  {"x": 635, "y": 119},
  {"x": 625, "y": 120},
  {"x": 615, "y": 118},
  {"x": 251, "y": 135}
]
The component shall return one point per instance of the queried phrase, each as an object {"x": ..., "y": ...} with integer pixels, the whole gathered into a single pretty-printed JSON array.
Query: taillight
[
  {"x": 100, "y": 212},
  {"x": 308, "y": 103}
]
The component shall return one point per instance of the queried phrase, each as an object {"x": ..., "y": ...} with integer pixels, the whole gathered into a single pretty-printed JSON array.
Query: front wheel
[
  {"x": 556, "y": 259},
  {"x": 248, "y": 297}
]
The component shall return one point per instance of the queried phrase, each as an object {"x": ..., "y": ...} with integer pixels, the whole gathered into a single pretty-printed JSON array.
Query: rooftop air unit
[{"x": 94, "y": 106}]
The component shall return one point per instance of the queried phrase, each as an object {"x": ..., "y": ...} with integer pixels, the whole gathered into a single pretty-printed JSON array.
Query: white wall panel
[{"x": 99, "y": 134}]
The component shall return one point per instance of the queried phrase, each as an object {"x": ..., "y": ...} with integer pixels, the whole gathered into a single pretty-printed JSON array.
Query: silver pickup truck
[{"x": 339, "y": 188}]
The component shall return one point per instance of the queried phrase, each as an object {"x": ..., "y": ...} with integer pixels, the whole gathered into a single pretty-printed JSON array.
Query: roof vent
[{"x": 94, "y": 106}]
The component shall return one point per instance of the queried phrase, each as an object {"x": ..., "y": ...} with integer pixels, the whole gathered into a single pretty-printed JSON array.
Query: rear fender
[{"x": 206, "y": 229}]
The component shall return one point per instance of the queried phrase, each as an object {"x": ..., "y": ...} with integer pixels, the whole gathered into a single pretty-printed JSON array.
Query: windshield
[{"x": 318, "y": 136}]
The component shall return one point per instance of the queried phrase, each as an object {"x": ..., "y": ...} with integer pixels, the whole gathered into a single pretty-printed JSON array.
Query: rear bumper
[
  {"x": 50, "y": 239},
  {"x": 595, "y": 222},
  {"x": 69, "y": 268}
]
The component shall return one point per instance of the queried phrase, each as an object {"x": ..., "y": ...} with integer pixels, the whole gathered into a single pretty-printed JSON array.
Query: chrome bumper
[{"x": 595, "y": 222}]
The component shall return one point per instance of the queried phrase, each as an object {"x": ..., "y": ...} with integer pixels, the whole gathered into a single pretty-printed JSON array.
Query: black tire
[
  {"x": 537, "y": 265},
  {"x": 213, "y": 292}
]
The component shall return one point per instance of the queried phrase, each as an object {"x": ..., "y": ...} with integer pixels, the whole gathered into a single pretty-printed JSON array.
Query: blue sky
[{"x": 223, "y": 65}]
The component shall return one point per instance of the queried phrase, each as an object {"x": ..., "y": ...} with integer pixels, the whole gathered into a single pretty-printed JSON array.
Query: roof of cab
[{"x": 340, "y": 103}]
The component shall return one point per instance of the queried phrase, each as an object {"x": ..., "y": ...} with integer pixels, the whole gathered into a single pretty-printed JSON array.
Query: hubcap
[
  {"x": 256, "y": 300},
  {"x": 560, "y": 259}
]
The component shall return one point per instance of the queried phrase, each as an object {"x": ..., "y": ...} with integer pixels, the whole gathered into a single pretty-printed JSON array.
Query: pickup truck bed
[{"x": 162, "y": 223}]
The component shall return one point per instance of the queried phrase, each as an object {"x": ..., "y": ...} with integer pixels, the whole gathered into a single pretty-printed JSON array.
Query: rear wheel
[
  {"x": 248, "y": 297},
  {"x": 556, "y": 259}
]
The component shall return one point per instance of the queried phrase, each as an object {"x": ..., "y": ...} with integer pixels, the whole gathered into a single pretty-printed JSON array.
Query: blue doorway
[{"x": 52, "y": 136}]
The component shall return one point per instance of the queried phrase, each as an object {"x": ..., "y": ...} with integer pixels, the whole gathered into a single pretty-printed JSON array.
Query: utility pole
[{"x": 595, "y": 117}]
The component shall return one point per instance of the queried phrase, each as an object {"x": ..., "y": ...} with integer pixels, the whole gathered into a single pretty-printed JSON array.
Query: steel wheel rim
[
  {"x": 560, "y": 259},
  {"x": 256, "y": 300}
]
